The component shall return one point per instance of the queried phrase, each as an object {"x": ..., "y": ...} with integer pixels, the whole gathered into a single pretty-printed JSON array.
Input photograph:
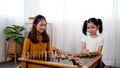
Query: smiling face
[
  {"x": 41, "y": 26},
  {"x": 92, "y": 28}
]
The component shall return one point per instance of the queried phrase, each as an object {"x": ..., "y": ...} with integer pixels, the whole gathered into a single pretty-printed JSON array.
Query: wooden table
[
  {"x": 95, "y": 61},
  {"x": 88, "y": 62}
]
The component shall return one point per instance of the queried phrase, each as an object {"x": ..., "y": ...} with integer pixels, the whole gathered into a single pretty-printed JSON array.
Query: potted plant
[
  {"x": 14, "y": 33},
  {"x": 14, "y": 39}
]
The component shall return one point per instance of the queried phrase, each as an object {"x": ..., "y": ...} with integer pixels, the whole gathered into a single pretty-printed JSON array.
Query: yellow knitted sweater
[{"x": 31, "y": 47}]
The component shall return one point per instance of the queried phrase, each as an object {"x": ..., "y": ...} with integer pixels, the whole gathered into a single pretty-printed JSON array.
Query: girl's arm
[
  {"x": 83, "y": 46},
  {"x": 101, "y": 43},
  {"x": 100, "y": 49},
  {"x": 84, "y": 50}
]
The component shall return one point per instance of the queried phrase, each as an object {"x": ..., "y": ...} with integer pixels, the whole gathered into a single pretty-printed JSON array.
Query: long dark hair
[
  {"x": 33, "y": 33},
  {"x": 97, "y": 22}
]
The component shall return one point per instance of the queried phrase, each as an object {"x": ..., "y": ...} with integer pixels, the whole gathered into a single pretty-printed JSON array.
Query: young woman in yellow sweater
[{"x": 37, "y": 40}]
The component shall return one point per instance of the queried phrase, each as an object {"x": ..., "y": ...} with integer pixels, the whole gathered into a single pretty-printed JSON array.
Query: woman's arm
[
  {"x": 26, "y": 47},
  {"x": 48, "y": 46},
  {"x": 48, "y": 51}
]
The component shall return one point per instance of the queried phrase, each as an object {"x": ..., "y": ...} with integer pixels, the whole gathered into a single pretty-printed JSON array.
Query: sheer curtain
[
  {"x": 11, "y": 12},
  {"x": 67, "y": 17},
  {"x": 117, "y": 20}
]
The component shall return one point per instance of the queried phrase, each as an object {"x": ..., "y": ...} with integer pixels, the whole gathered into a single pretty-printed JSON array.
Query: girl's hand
[{"x": 85, "y": 51}]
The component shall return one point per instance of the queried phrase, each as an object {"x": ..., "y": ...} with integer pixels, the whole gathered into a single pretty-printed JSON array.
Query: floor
[
  {"x": 111, "y": 67},
  {"x": 11, "y": 64}
]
